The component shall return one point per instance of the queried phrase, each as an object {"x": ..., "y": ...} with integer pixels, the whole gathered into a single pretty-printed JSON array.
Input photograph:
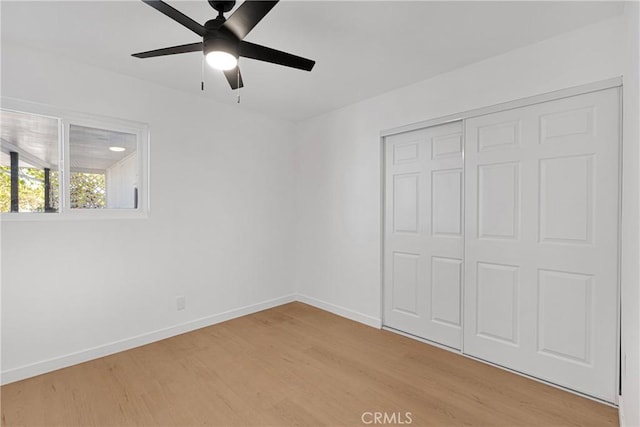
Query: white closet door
[
  {"x": 542, "y": 240},
  {"x": 423, "y": 233}
]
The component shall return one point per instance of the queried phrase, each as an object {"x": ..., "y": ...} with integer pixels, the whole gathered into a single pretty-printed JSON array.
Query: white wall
[
  {"x": 219, "y": 231},
  {"x": 338, "y": 167},
  {"x": 630, "y": 410},
  {"x": 338, "y": 155}
]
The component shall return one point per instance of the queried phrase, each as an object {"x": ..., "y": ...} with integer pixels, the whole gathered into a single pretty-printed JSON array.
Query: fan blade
[
  {"x": 192, "y": 47},
  {"x": 177, "y": 16},
  {"x": 247, "y": 16},
  {"x": 263, "y": 53},
  {"x": 232, "y": 77}
]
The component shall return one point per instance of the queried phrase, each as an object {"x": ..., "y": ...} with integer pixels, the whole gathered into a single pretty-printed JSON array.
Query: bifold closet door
[
  {"x": 542, "y": 240},
  {"x": 423, "y": 233}
]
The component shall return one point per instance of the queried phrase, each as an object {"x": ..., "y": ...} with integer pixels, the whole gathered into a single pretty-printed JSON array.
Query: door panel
[
  {"x": 446, "y": 202},
  {"x": 542, "y": 240},
  {"x": 566, "y": 199},
  {"x": 562, "y": 333},
  {"x": 424, "y": 233},
  {"x": 497, "y": 304},
  {"x": 498, "y": 205},
  {"x": 446, "y": 288},
  {"x": 405, "y": 283},
  {"x": 405, "y": 203}
]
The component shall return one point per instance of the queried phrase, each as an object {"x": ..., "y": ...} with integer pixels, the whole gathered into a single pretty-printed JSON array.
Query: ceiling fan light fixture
[{"x": 221, "y": 60}]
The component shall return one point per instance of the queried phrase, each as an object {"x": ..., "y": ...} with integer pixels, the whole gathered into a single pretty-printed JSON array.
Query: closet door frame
[{"x": 523, "y": 102}]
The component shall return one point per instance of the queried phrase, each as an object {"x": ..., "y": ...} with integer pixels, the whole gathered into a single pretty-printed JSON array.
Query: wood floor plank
[{"x": 291, "y": 365}]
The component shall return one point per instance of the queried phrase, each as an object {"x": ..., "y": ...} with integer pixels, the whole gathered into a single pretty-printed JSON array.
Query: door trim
[{"x": 509, "y": 105}]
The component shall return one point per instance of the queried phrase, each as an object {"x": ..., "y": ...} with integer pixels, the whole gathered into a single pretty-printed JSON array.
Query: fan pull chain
[
  {"x": 238, "y": 80},
  {"x": 202, "y": 81}
]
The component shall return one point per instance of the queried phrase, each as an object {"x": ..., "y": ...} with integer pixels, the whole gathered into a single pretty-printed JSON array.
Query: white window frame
[{"x": 67, "y": 118}]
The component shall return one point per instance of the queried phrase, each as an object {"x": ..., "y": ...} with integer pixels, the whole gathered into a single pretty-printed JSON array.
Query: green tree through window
[
  {"x": 30, "y": 189},
  {"x": 87, "y": 190}
]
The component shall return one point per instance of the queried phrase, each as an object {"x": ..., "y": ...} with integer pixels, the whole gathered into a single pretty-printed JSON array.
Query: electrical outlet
[{"x": 181, "y": 303}]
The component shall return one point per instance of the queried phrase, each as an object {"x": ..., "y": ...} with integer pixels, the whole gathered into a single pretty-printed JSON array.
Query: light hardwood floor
[{"x": 291, "y": 365}]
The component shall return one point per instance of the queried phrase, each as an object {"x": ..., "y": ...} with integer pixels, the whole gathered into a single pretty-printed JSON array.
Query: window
[
  {"x": 29, "y": 161},
  {"x": 103, "y": 168},
  {"x": 70, "y": 164}
]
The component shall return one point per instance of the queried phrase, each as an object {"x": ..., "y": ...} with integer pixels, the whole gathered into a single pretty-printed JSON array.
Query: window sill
[{"x": 92, "y": 215}]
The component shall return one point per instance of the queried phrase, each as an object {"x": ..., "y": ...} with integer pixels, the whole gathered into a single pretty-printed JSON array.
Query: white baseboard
[
  {"x": 341, "y": 311},
  {"x": 31, "y": 370}
]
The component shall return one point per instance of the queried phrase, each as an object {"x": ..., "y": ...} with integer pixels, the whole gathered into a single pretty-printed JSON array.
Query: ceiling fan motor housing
[
  {"x": 221, "y": 41},
  {"x": 222, "y": 6}
]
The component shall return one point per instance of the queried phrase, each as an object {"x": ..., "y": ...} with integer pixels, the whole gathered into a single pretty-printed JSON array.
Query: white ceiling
[{"x": 362, "y": 48}]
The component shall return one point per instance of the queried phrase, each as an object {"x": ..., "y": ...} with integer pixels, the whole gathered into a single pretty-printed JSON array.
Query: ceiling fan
[{"x": 222, "y": 39}]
